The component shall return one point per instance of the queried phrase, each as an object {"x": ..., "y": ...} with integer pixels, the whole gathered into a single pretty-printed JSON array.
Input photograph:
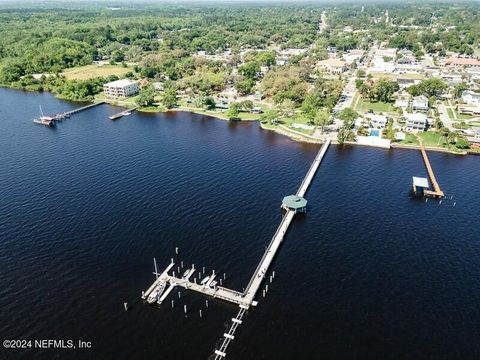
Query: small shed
[
  {"x": 419, "y": 185},
  {"x": 294, "y": 203}
]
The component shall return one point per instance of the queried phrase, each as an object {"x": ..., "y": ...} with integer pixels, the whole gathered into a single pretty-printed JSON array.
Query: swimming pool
[{"x": 375, "y": 133}]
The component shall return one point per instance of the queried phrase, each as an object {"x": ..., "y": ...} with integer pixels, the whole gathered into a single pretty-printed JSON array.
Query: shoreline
[{"x": 281, "y": 130}]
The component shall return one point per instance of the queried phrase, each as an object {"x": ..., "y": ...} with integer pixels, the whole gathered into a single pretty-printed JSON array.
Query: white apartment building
[{"x": 121, "y": 88}]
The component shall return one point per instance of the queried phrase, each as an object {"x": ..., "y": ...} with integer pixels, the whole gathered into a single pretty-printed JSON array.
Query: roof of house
[
  {"x": 420, "y": 182},
  {"x": 420, "y": 99},
  {"x": 332, "y": 62},
  {"x": 416, "y": 117},
  {"x": 121, "y": 83},
  {"x": 462, "y": 61},
  {"x": 471, "y": 93}
]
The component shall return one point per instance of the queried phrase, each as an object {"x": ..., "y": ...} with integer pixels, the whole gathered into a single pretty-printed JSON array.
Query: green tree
[
  {"x": 432, "y": 87},
  {"x": 322, "y": 118},
  {"x": 246, "y": 105},
  {"x": 233, "y": 111},
  {"x": 347, "y": 114},
  {"x": 209, "y": 103},
  {"x": 169, "y": 98},
  {"x": 459, "y": 89},
  {"x": 249, "y": 69},
  {"x": 245, "y": 86},
  {"x": 146, "y": 97},
  {"x": 384, "y": 89},
  {"x": 269, "y": 116}
]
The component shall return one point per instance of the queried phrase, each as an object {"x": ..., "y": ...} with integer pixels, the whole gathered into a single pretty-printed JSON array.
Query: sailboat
[{"x": 44, "y": 120}]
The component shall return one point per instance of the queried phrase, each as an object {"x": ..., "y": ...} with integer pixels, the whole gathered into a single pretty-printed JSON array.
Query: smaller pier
[
  {"x": 437, "y": 192},
  {"x": 122, "y": 113}
]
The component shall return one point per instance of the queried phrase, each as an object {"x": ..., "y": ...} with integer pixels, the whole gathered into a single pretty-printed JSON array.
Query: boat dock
[
  {"x": 122, "y": 113},
  {"x": 437, "y": 191},
  {"x": 50, "y": 120},
  {"x": 247, "y": 298}
]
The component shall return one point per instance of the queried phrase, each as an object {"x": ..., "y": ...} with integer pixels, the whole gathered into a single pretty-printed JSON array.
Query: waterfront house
[
  {"x": 377, "y": 121},
  {"x": 420, "y": 103},
  {"x": 475, "y": 139},
  {"x": 415, "y": 122},
  {"x": 121, "y": 88},
  {"x": 471, "y": 97}
]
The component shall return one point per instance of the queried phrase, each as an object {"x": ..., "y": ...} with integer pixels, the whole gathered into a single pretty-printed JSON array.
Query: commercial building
[{"x": 121, "y": 88}]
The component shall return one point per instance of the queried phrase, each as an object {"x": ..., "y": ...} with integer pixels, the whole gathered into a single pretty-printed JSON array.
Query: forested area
[{"x": 160, "y": 42}]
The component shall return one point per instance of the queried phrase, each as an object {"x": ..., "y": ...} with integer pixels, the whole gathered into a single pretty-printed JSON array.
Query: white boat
[
  {"x": 204, "y": 281},
  {"x": 186, "y": 273},
  {"x": 156, "y": 292},
  {"x": 213, "y": 284}
]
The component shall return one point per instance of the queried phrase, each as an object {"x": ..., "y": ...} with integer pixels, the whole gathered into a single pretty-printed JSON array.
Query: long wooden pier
[
  {"x": 437, "y": 191},
  {"x": 246, "y": 298},
  {"x": 49, "y": 120}
]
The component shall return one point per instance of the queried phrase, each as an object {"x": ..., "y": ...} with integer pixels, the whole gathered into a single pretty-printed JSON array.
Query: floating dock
[
  {"x": 437, "y": 191},
  {"x": 122, "y": 113},
  {"x": 246, "y": 298}
]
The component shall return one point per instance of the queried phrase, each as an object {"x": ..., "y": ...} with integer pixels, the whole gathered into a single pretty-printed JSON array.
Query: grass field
[
  {"x": 93, "y": 71},
  {"x": 450, "y": 113},
  {"x": 365, "y": 105},
  {"x": 430, "y": 138},
  {"x": 410, "y": 139}
]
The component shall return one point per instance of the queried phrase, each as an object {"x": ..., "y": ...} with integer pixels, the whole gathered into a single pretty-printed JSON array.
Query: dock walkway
[
  {"x": 437, "y": 191},
  {"x": 246, "y": 299}
]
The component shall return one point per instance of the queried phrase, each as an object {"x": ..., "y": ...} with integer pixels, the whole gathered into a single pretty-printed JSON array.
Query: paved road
[{"x": 447, "y": 122}]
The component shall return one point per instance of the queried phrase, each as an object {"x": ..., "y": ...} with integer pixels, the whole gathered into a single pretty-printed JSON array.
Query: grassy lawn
[
  {"x": 450, "y": 113},
  {"x": 377, "y": 75},
  {"x": 431, "y": 138},
  {"x": 365, "y": 105},
  {"x": 412, "y": 76},
  {"x": 464, "y": 116},
  {"x": 93, "y": 71},
  {"x": 410, "y": 139}
]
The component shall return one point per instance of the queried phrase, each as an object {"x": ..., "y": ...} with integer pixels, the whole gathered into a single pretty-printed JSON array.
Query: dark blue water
[{"x": 368, "y": 273}]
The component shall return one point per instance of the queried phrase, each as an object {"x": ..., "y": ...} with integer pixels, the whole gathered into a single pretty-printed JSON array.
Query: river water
[{"x": 367, "y": 273}]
